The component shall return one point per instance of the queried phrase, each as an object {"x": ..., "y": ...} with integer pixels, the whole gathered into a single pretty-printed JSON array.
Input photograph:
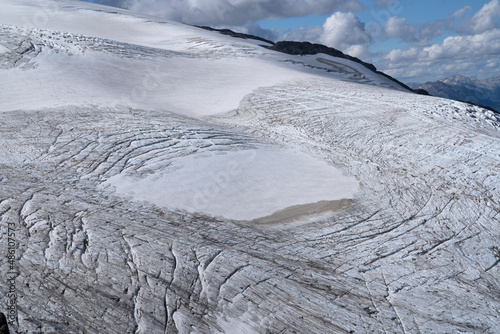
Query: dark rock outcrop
[
  {"x": 4, "y": 328},
  {"x": 421, "y": 91},
  {"x": 236, "y": 34},
  {"x": 306, "y": 48}
]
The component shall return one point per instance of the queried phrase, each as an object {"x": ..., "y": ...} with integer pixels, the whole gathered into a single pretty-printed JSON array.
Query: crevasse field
[{"x": 160, "y": 178}]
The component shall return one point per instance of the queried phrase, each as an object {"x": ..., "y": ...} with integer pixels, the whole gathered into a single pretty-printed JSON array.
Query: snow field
[
  {"x": 131, "y": 148},
  {"x": 242, "y": 185}
]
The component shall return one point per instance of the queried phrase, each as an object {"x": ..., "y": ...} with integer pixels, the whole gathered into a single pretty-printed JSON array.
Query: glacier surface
[{"x": 160, "y": 178}]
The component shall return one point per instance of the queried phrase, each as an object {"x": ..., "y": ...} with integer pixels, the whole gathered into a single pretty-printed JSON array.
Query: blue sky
[
  {"x": 412, "y": 40},
  {"x": 415, "y": 12}
]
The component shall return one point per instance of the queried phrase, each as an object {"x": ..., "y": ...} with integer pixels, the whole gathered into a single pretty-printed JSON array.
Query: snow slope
[
  {"x": 161, "y": 178},
  {"x": 242, "y": 185}
]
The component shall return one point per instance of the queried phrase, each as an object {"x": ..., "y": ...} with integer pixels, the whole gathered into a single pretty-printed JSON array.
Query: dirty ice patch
[{"x": 243, "y": 185}]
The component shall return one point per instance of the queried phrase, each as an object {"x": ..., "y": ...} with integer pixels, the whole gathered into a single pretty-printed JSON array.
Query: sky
[{"x": 412, "y": 40}]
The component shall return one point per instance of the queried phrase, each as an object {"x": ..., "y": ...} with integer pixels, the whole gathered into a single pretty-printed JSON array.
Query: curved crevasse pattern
[{"x": 384, "y": 216}]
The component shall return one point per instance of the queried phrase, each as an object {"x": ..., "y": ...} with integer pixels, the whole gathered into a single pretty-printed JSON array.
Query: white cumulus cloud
[
  {"x": 396, "y": 26},
  {"x": 487, "y": 18},
  {"x": 469, "y": 55},
  {"x": 343, "y": 30}
]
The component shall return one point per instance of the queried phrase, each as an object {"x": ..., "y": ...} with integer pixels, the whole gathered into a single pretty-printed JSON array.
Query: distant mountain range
[{"x": 481, "y": 92}]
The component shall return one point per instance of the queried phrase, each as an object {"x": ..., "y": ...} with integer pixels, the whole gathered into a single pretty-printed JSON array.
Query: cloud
[
  {"x": 399, "y": 55},
  {"x": 469, "y": 55},
  {"x": 461, "y": 12},
  {"x": 474, "y": 52},
  {"x": 420, "y": 34},
  {"x": 351, "y": 6},
  {"x": 343, "y": 31},
  {"x": 397, "y": 27},
  {"x": 253, "y": 28},
  {"x": 360, "y": 51},
  {"x": 457, "y": 47},
  {"x": 233, "y": 12},
  {"x": 486, "y": 18},
  {"x": 384, "y": 3}
]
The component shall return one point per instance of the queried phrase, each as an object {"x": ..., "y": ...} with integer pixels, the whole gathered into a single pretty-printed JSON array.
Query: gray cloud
[
  {"x": 385, "y": 3},
  {"x": 461, "y": 12},
  {"x": 232, "y": 12},
  {"x": 415, "y": 34}
]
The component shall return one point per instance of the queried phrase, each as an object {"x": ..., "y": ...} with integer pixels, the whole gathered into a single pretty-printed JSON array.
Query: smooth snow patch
[
  {"x": 190, "y": 86},
  {"x": 243, "y": 185}
]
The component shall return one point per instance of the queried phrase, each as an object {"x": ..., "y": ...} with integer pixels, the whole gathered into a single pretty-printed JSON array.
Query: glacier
[{"x": 161, "y": 178}]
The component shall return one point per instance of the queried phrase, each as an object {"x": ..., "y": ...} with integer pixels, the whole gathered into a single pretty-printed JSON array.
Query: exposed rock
[
  {"x": 231, "y": 33},
  {"x": 421, "y": 91},
  {"x": 4, "y": 327},
  {"x": 306, "y": 48}
]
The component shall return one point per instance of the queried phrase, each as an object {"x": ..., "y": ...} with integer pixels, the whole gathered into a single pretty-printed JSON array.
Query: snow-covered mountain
[
  {"x": 482, "y": 92},
  {"x": 161, "y": 178}
]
